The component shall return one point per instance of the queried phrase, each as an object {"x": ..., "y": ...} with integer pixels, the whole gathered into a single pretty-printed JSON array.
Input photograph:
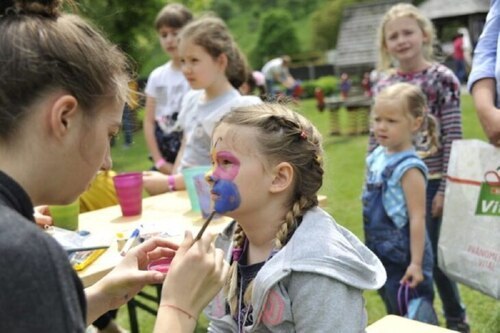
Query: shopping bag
[
  {"x": 469, "y": 243},
  {"x": 415, "y": 308}
]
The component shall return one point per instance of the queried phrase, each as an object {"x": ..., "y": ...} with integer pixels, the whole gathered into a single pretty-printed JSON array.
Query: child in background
[
  {"x": 345, "y": 86},
  {"x": 164, "y": 91},
  {"x": 288, "y": 255},
  {"x": 394, "y": 194},
  {"x": 406, "y": 37},
  {"x": 214, "y": 67}
]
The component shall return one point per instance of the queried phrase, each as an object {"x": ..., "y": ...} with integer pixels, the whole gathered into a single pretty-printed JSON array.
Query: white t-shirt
[
  {"x": 167, "y": 86},
  {"x": 198, "y": 119},
  {"x": 273, "y": 67}
]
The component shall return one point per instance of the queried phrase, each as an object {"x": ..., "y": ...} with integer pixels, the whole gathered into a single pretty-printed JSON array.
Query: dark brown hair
[
  {"x": 174, "y": 15},
  {"x": 42, "y": 50},
  {"x": 212, "y": 34}
]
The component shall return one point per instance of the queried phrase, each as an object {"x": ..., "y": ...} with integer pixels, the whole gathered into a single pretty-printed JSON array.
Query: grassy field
[{"x": 344, "y": 166}]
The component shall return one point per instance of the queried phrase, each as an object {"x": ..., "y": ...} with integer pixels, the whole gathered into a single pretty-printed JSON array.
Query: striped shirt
[{"x": 442, "y": 89}]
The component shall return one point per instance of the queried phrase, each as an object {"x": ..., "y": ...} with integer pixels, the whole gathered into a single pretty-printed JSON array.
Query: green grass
[{"x": 344, "y": 172}]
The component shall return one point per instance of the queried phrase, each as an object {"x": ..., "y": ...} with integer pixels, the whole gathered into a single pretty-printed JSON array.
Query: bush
[{"x": 329, "y": 85}]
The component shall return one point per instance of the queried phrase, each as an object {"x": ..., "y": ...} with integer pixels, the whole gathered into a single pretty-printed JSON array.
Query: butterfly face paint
[{"x": 226, "y": 168}]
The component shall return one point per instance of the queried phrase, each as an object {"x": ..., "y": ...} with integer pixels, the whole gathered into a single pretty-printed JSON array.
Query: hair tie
[
  {"x": 10, "y": 11},
  {"x": 238, "y": 251},
  {"x": 236, "y": 255}
]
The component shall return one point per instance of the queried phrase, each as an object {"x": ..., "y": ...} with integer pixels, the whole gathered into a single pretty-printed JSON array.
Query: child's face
[
  {"x": 168, "y": 40},
  {"x": 404, "y": 39},
  {"x": 236, "y": 160},
  {"x": 393, "y": 127},
  {"x": 200, "y": 68}
]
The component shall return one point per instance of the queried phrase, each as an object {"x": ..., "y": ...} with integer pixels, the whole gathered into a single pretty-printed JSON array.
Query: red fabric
[{"x": 458, "y": 48}]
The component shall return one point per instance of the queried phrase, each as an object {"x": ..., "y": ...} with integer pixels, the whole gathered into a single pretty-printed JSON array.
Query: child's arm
[
  {"x": 180, "y": 154},
  {"x": 149, "y": 134},
  {"x": 413, "y": 183},
  {"x": 483, "y": 93}
]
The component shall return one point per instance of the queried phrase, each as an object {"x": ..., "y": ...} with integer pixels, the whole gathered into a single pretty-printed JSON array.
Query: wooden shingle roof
[
  {"x": 357, "y": 41},
  {"x": 436, "y": 9}
]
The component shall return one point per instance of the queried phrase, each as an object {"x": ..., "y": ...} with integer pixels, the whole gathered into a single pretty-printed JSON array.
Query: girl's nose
[{"x": 209, "y": 177}]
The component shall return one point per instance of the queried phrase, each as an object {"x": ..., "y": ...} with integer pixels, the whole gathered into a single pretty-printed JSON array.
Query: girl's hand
[
  {"x": 155, "y": 182},
  {"x": 196, "y": 275},
  {"x": 166, "y": 168},
  {"x": 42, "y": 216},
  {"x": 413, "y": 275},
  {"x": 437, "y": 205}
]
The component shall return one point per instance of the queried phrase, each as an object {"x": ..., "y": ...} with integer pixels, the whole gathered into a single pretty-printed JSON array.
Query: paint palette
[{"x": 161, "y": 265}]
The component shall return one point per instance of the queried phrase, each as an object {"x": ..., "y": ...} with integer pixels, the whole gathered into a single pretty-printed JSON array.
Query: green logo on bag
[{"x": 489, "y": 196}]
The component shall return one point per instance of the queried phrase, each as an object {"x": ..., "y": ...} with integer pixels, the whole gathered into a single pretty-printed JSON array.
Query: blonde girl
[
  {"x": 394, "y": 194},
  {"x": 292, "y": 267},
  {"x": 405, "y": 41},
  {"x": 214, "y": 68}
]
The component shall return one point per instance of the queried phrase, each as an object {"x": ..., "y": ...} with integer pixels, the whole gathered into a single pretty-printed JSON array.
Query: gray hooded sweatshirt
[{"x": 313, "y": 284}]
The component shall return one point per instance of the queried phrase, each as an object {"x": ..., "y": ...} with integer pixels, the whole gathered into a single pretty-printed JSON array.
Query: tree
[
  {"x": 276, "y": 37},
  {"x": 130, "y": 23},
  {"x": 127, "y": 24},
  {"x": 325, "y": 23}
]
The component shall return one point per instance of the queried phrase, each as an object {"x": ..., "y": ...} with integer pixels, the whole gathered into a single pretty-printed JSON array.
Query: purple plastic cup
[{"x": 128, "y": 187}]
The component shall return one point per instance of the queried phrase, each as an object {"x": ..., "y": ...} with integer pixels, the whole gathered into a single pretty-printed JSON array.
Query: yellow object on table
[
  {"x": 397, "y": 324},
  {"x": 81, "y": 259}
]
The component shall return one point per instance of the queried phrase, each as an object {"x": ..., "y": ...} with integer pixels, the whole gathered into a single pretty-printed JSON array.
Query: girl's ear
[
  {"x": 62, "y": 114},
  {"x": 222, "y": 60},
  {"x": 417, "y": 124},
  {"x": 282, "y": 177},
  {"x": 425, "y": 38}
]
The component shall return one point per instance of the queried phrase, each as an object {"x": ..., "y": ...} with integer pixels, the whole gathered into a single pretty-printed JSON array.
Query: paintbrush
[{"x": 205, "y": 225}]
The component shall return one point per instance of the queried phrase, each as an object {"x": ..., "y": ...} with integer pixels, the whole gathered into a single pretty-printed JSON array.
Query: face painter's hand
[
  {"x": 131, "y": 274},
  {"x": 196, "y": 275},
  {"x": 42, "y": 216}
]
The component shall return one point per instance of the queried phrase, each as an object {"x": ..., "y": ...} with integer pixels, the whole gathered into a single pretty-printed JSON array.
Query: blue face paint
[{"x": 228, "y": 196}]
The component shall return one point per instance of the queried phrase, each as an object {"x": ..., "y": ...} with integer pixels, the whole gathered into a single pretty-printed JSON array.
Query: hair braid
[{"x": 231, "y": 285}]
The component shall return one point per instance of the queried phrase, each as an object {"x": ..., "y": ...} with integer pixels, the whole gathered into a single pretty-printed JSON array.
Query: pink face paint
[{"x": 226, "y": 166}]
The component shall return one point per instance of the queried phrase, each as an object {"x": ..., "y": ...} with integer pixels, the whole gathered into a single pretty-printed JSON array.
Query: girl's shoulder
[
  {"x": 408, "y": 160},
  {"x": 442, "y": 72}
]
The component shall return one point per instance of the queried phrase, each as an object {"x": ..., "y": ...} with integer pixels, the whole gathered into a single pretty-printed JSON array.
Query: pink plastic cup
[
  {"x": 161, "y": 265},
  {"x": 128, "y": 187}
]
